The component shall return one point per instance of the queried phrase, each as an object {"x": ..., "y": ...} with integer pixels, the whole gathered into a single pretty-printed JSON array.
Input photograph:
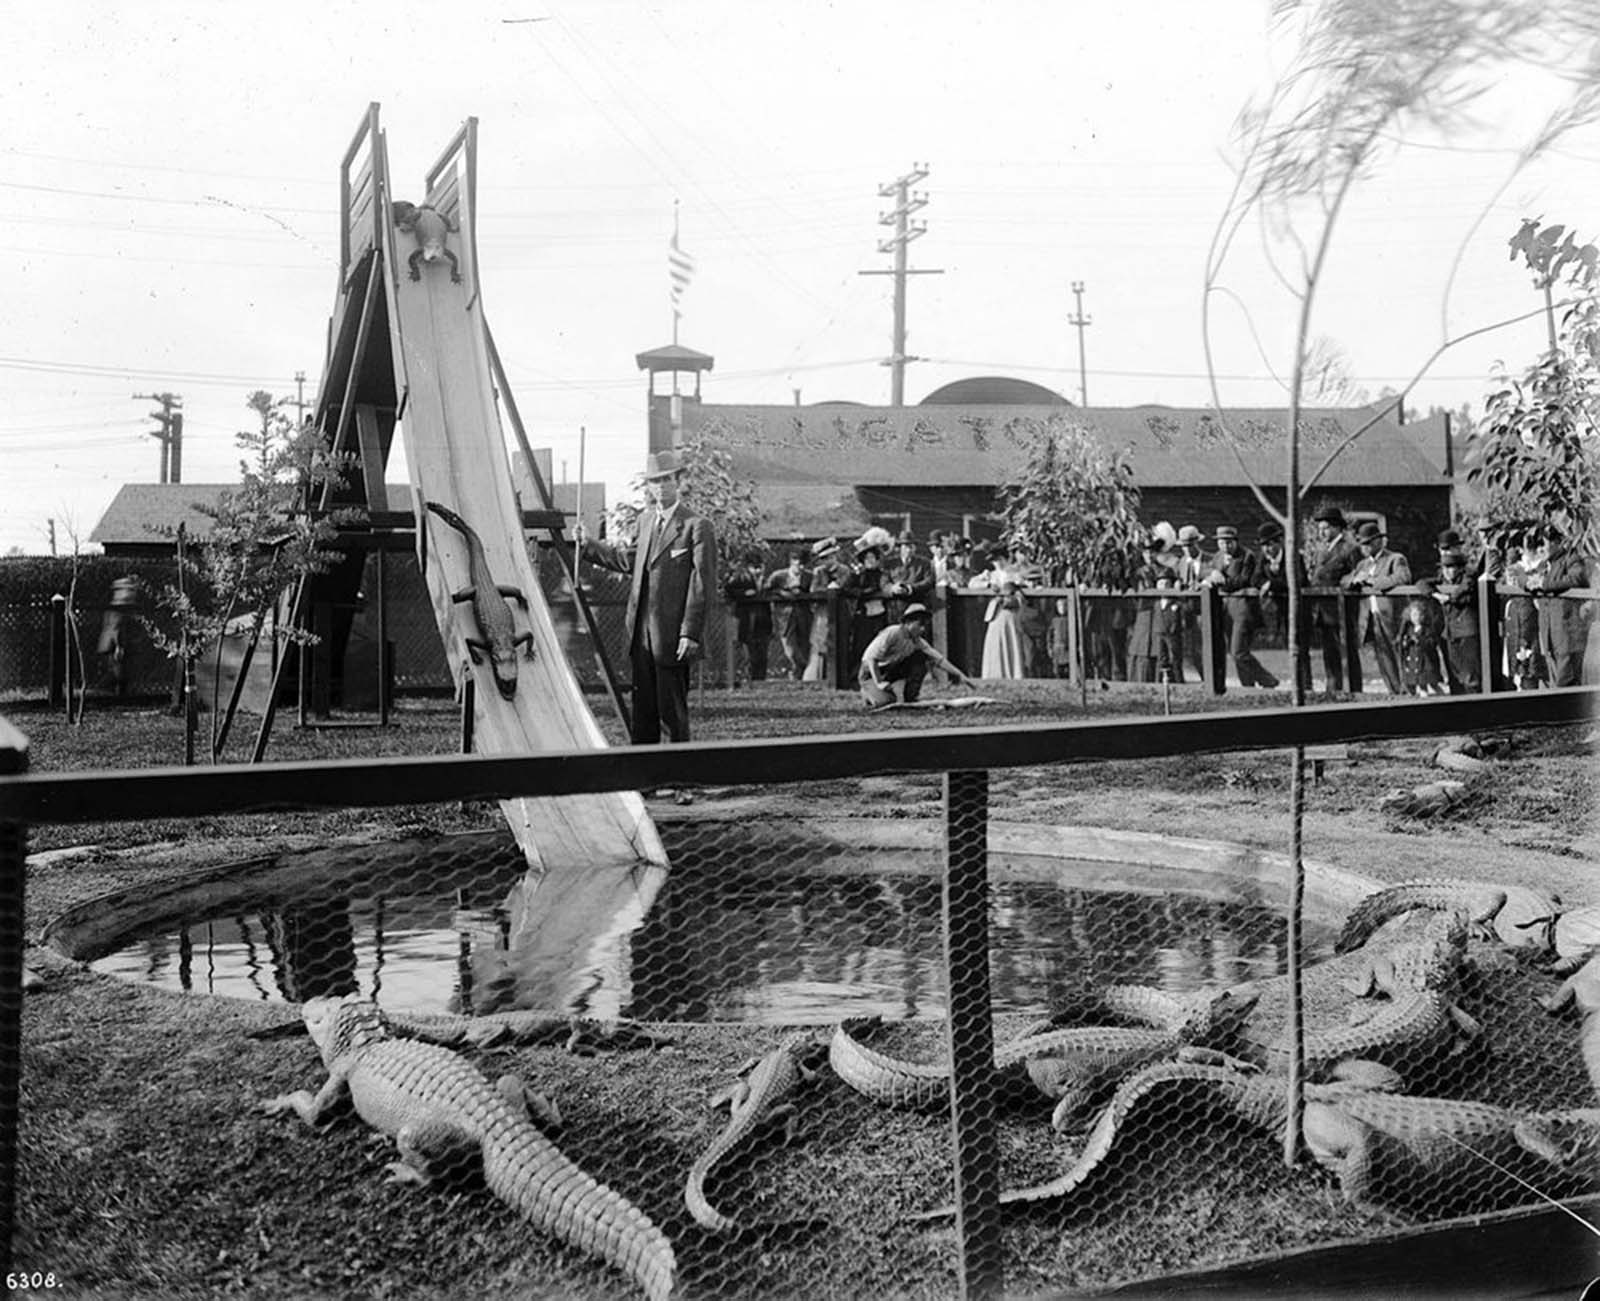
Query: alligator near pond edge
[
  {"x": 441, "y": 1111},
  {"x": 1377, "y": 1142},
  {"x": 1520, "y": 917},
  {"x": 759, "y": 1096},
  {"x": 1075, "y": 1065}
]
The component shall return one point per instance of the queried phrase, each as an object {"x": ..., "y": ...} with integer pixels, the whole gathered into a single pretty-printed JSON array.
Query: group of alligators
[{"x": 1379, "y": 1014}]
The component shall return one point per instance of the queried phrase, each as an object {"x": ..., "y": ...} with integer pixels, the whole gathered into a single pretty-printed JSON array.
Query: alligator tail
[
  {"x": 529, "y": 1173},
  {"x": 885, "y": 1079},
  {"x": 694, "y": 1197}
]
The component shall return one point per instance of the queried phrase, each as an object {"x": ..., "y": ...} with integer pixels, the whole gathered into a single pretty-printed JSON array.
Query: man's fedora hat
[
  {"x": 663, "y": 465},
  {"x": 1332, "y": 515},
  {"x": 1368, "y": 531},
  {"x": 1225, "y": 531}
]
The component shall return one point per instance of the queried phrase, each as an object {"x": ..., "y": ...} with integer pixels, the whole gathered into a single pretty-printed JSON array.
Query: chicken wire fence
[{"x": 906, "y": 1035}]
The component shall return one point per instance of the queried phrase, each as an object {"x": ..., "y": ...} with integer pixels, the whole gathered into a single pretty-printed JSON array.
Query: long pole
[
  {"x": 582, "y": 440},
  {"x": 577, "y": 552},
  {"x": 905, "y": 230},
  {"x": 1081, "y": 322}
]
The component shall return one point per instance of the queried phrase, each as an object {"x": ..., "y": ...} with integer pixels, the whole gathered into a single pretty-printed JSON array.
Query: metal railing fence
[{"x": 963, "y": 759}]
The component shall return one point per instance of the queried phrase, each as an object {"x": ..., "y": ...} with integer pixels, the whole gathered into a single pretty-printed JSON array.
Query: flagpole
[{"x": 676, "y": 314}]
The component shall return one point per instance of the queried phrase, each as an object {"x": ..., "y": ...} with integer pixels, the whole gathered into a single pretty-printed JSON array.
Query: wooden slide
[{"x": 595, "y": 861}]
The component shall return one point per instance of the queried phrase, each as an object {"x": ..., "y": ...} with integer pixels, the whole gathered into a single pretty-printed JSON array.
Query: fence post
[
  {"x": 1490, "y": 642},
  {"x": 58, "y": 649},
  {"x": 13, "y": 857},
  {"x": 1349, "y": 624},
  {"x": 844, "y": 673},
  {"x": 1213, "y": 641},
  {"x": 969, "y": 1030}
]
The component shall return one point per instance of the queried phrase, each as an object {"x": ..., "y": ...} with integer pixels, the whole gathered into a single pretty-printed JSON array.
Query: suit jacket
[
  {"x": 1460, "y": 606},
  {"x": 673, "y": 569},
  {"x": 1373, "y": 576},
  {"x": 917, "y": 576},
  {"x": 1343, "y": 556},
  {"x": 1566, "y": 619},
  {"x": 1238, "y": 586}
]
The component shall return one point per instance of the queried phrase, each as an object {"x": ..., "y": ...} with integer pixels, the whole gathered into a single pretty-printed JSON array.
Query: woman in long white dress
[{"x": 1005, "y": 645}]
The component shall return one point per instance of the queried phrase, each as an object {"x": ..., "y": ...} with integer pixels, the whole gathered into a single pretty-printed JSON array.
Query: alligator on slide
[
  {"x": 498, "y": 636},
  {"x": 441, "y": 1111}
]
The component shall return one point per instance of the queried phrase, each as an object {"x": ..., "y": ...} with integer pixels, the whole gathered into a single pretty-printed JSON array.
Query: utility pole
[
  {"x": 905, "y": 230},
  {"x": 1082, "y": 323},
  {"x": 299, "y": 399},
  {"x": 170, "y": 435}
]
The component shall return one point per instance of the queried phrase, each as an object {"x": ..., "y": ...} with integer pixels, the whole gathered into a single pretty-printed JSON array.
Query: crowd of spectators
[{"x": 1424, "y": 639}]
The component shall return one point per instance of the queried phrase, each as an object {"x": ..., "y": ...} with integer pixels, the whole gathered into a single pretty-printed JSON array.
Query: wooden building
[{"x": 832, "y": 468}]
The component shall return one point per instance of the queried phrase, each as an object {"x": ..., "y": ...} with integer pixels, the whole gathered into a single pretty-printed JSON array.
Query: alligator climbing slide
[{"x": 595, "y": 861}]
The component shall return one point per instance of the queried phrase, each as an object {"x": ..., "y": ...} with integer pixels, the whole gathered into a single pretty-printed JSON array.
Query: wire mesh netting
[{"x": 801, "y": 1059}]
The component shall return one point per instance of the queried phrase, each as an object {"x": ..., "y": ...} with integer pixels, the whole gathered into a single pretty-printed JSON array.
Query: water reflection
[{"x": 750, "y": 941}]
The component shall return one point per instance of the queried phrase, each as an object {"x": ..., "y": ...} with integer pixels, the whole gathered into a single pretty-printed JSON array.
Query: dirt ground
[{"x": 147, "y": 1170}]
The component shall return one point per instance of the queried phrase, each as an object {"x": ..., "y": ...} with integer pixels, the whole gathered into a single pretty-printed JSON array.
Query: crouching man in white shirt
[{"x": 902, "y": 653}]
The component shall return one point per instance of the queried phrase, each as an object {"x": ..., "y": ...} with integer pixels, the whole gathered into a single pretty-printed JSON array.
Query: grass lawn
[{"x": 146, "y": 1168}]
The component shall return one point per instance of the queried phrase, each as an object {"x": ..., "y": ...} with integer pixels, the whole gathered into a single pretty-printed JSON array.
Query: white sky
[{"x": 170, "y": 182}]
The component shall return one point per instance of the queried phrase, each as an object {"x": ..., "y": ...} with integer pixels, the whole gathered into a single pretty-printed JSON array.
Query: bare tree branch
[{"x": 1393, "y": 403}]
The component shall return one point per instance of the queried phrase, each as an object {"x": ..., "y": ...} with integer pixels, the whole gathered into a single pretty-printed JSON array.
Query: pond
[{"x": 754, "y": 937}]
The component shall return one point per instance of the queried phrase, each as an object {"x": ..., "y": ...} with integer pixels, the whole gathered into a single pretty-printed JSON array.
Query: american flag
[{"x": 680, "y": 267}]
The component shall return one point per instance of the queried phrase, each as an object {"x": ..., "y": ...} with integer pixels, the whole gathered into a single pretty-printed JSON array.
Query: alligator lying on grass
[
  {"x": 1417, "y": 1020},
  {"x": 1077, "y": 1065},
  {"x": 1382, "y": 1145},
  {"x": 758, "y": 1097},
  {"x": 498, "y": 1029},
  {"x": 443, "y": 1114},
  {"x": 1519, "y": 917},
  {"x": 1582, "y": 989}
]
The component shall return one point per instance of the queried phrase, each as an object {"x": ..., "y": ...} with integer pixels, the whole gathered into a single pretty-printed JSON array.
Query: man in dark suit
[
  {"x": 1339, "y": 555},
  {"x": 674, "y": 566},
  {"x": 1563, "y": 621},
  {"x": 1378, "y": 572},
  {"x": 1233, "y": 573}
]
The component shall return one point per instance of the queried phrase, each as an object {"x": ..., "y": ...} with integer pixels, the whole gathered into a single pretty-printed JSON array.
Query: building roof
[
  {"x": 673, "y": 357},
  {"x": 979, "y": 445},
  {"x": 141, "y": 513},
  {"x": 994, "y": 390}
]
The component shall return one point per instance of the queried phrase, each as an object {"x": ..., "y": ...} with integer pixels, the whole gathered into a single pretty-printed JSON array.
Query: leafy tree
[
  {"x": 1074, "y": 508},
  {"x": 1536, "y": 454},
  {"x": 263, "y": 539},
  {"x": 1361, "y": 74}
]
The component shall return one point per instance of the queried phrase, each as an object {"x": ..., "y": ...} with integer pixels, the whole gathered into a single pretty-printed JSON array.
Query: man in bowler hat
[
  {"x": 674, "y": 566},
  {"x": 1378, "y": 572},
  {"x": 1233, "y": 573},
  {"x": 1339, "y": 556}
]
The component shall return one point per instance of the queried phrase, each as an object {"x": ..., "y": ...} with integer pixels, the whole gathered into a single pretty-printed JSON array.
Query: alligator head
[
  {"x": 337, "y": 1025},
  {"x": 1217, "y": 1019}
]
